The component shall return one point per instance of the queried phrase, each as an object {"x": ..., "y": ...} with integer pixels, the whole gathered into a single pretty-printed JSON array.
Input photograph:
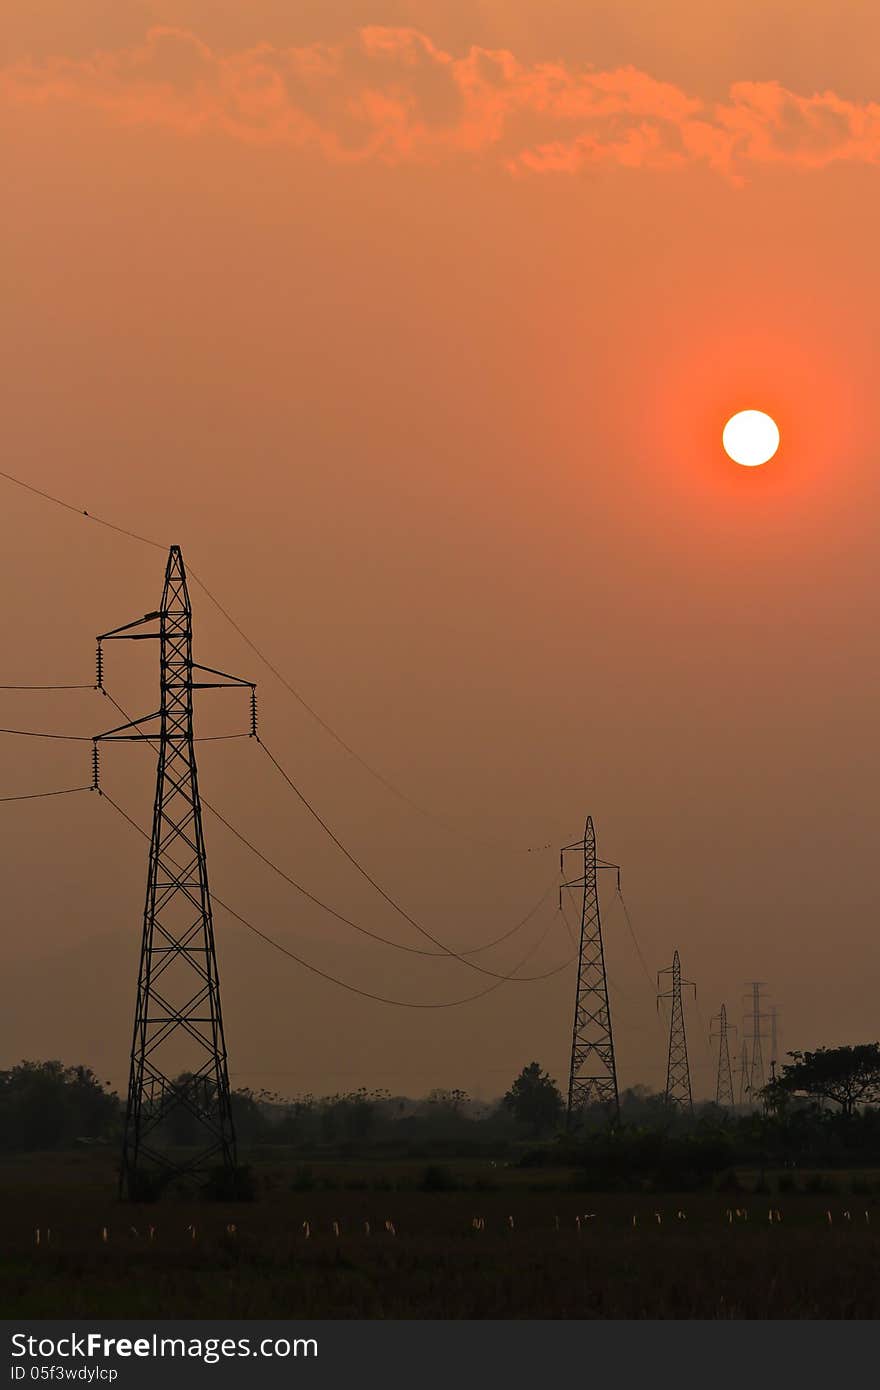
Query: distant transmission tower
[
  {"x": 757, "y": 1075},
  {"x": 678, "y": 1074},
  {"x": 178, "y": 1091},
  {"x": 593, "y": 1074},
  {"x": 724, "y": 1075}
]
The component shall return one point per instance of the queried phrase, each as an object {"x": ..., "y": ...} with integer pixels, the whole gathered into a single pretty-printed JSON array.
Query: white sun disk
[{"x": 750, "y": 437}]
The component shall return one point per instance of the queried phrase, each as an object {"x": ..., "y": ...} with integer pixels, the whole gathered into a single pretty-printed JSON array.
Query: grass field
[{"x": 322, "y": 1248}]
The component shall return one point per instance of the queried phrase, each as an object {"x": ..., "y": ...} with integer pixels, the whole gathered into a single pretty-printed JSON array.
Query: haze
[{"x": 416, "y": 326}]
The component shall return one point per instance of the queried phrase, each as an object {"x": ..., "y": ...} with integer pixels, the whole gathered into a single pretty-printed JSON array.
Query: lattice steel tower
[
  {"x": 724, "y": 1074},
  {"x": 678, "y": 1072},
  {"x": 178, "y": 1092},
  {"x": 757, "y": 1078},
  {"x": 593, "y": 1074}
]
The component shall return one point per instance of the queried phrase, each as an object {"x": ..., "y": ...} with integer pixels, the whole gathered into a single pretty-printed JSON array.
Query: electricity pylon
[
  {"x": 757, "y": 1076},
  {"x": 678, "y": 1072},
  {"x": 178, "y": 1090},
  {"x": 592, "y": 1074},
  {"x": 724, "y": 1075}
]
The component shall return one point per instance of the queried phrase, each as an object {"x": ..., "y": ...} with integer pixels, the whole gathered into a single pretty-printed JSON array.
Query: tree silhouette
[
  {"x": 535, "y": 1100},
  {"x": 849, "y": 1076}
]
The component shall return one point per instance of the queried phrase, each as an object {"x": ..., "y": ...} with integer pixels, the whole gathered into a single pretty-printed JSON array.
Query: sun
[{"x": 750, "y": 437}]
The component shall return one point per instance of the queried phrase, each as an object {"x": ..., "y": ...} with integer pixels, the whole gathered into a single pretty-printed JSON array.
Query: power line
[
  {"x": 35, "y": 733},
  {"x": 270, "y": 666},
  {"x": 365, "y": 931},
  {"x": 445, "y": 950},
  {"x": 324, "y": 975},
  {"x": 635, "y": 941},
  {"x": 642, "y": 962},
  {"x": 348, "y": 921},
  {"x": 49, "y": 687},
  {"x": 87, "y": 738},
  {"x": 219, "y": 738},
  {"x": 80, "y": 511},
  {"x": 328, "y": 728},
  {"x": 36, "y": 796},
  {"x": 704, "y": 1029}
]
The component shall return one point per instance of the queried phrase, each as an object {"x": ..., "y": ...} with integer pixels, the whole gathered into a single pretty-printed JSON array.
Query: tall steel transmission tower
[
  {"x": 724, "y": 1075},
  {"x": 593, "y": 1073},
  {"x": 178, "y": 1091},
  {"x": 678, "y": 1073},
  {"x": 757, "y": 1079}
]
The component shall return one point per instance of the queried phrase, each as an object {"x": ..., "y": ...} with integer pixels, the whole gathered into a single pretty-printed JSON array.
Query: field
[{"x": 360, "y": 1240}]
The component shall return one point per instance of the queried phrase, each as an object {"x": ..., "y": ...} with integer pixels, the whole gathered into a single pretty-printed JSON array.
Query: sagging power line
[{"x": 386, "y": 782}]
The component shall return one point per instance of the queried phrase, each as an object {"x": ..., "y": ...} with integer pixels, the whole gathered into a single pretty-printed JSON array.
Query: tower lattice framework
[
  {"x": 757, "y": 1078},
  {"x": 724, "y": 1072},
  {"x": 178, "y": 1117},
  {"x": 593, "y": 1073},
  {"x": 678, "y": 1072}
]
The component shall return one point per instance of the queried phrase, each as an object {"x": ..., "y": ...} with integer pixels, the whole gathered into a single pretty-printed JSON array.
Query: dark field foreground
[{"x": 281, "y": 1256}]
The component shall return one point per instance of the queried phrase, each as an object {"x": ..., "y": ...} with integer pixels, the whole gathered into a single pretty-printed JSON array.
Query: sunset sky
[{"x": 416, "y": 326}]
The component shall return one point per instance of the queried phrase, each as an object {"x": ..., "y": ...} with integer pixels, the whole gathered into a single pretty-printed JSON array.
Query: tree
[
  {"x": 535, "y": 1100},
  {"x": 452, "y": 1102},
  {"x": 44, "y": 1105},
  {"x": 850, "y": 1076}
]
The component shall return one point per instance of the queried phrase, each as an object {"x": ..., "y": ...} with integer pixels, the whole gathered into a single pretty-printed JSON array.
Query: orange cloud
[{"x": 391, "y": 94}]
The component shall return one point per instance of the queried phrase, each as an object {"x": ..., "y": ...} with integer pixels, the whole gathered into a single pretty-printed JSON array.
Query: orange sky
[{"x": 416, "y": 325}]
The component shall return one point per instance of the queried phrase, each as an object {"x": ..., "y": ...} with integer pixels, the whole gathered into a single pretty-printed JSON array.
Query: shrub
[
  {"x": 820, "y": 1182},
  {"x": 729, "y": 1182},
  {"x": 862, "y": 1187},
  {"x": 303, "y": 1179},
  {"x": 235, "y": 1186},
  {"x": 438, "y": 1178}
]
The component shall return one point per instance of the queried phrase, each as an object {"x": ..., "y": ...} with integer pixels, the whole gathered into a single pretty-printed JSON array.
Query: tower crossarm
[
  {"x": 593, "y": 1071},
  {"x": 178, "y": 1116}
]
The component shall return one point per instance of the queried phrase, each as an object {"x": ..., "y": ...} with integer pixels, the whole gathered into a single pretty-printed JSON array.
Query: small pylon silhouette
[
  {"x": 178, "y": 1054},
  {"x": 724, "y": 1075},
  {"x": 678, "y": 1072},
  {"x": 593, "y": 1074},
  {"x": 757, "y": 1079}
]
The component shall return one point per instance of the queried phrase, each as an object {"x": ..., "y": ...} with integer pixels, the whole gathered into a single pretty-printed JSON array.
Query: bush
[
  {"x": 650, "y": 1160},
  {"x": 819, "y": 1182},
  {"x": 438, "y": 1178},
  {"x": 147, "y": 1187},
  {"x": 862, "y": 1187},
  {"x": 728, "y": 1182},
  {"x": 485, "y": 1185},
  {"x": 225, "y": 1186}
]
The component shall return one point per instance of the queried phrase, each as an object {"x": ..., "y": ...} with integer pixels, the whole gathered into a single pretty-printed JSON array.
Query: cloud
[{"x": 391, "y": 95}]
